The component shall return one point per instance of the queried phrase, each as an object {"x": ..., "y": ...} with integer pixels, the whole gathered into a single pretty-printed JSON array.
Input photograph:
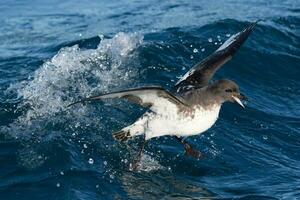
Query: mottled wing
[
  {"x": 201, "y": 73},
  {"x": 156, "y": 98}
]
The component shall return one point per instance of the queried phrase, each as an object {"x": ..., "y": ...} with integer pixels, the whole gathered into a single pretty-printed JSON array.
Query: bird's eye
[{"x": 228, "y": 90}]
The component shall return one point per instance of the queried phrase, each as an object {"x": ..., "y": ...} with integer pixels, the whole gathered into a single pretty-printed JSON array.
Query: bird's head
[{"x": 227, "y": 90}]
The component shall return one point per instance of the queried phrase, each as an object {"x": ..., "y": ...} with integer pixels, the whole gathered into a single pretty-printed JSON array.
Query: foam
[
  {"x": 71, "y": 74},
  {"x": 148, "y": 164},
  {"x": 75, "y": 72}
]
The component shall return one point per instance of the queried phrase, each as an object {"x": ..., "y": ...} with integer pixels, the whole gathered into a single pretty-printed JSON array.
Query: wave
[
  {"x": 71, "y": 74},
  {"x": 74, "y": 73},
  {"x": 96, "y": 65}
]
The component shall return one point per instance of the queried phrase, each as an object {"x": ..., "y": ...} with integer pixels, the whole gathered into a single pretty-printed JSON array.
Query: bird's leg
[
  {"x": 189, "y": 149},
  {"x": 135, "y": 162}
]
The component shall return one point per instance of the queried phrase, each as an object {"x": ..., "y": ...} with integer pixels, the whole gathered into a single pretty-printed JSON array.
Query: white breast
[{"x": 181, "y": 125}]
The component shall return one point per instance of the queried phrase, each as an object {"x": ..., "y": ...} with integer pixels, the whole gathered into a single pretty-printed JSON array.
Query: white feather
[{"x": 171, "y": 122}]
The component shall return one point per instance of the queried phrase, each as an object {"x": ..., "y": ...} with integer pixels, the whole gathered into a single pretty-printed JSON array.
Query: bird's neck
[
  {"x": 212, "y": 91},
  {"x": 204, "y": 98}
]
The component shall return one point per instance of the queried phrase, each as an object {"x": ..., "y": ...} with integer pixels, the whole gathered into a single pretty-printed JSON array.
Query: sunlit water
[{"x": 54, "y": 53}]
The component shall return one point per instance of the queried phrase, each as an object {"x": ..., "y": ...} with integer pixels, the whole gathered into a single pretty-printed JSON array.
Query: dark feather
[
  {"x": 203, "y": 71},
  {"x": 135, "y": 96}
]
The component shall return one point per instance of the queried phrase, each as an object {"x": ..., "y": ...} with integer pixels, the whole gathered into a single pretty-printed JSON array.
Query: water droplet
[
  {"x": 218, "y": 36},
  {"x": 191, "y": 45},
  {"x": 62, "y": 173},
  {"x": 57, "y": 184},
  {"x": 227, "y": 35},
  {"x": 77, "y": 125},
  {"x": 210, "y": 40},
  {"x": 105, "y": 163},
  {"x": 265, "y": 137},
  {"x": 85, "y": 146},
  {"x": 203, "y": 49},
  {"x": 195, "y": 50},
  {"x": 91, "y": 161},
  {"x": 111, "y": 176},
  {"x": 192, "y": 56},
  {"x": 97, "y": 186}
]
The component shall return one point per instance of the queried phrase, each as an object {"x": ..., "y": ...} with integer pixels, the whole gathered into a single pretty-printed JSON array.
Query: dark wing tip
[
  {"x": 259, "y": 20},
  {"x": 81, "y": 101},
  {"x": 76, "y": 102},
  {"x": 251, "y": 26},
  {"x": 203, "y": 71},
  {"x": 237, "y": 41}
]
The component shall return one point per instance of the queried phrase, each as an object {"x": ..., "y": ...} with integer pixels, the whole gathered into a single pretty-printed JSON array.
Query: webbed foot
[
  {"x": 189, "y": 150},
  {"x": 192, "y": 152}
]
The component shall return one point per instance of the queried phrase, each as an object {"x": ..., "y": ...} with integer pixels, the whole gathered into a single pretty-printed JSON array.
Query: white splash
[
  {"x": 73, "y": 73},
  {"x": 147, "y": 164}
]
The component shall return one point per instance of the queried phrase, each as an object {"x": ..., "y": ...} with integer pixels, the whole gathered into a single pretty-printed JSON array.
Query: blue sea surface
[{"x": 55, "y": 52}]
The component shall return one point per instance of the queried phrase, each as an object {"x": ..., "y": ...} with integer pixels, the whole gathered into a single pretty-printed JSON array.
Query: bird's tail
[
  {"x": 121, "y": 135},
  {"x": 133, "y": 130}
]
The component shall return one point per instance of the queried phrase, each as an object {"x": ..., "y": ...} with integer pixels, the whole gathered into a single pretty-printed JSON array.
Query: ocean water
[{"x": 55, "y": 52}]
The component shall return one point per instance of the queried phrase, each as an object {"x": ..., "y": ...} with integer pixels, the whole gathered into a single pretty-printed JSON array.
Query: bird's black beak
[{"x": 238, "y": 98}]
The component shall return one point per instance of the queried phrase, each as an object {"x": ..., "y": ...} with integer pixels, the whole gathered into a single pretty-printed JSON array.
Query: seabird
[{"x": 191, "y": 108}]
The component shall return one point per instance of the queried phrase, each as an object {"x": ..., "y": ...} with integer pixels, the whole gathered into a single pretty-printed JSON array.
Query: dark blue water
[{"x": 53, "y": 52}]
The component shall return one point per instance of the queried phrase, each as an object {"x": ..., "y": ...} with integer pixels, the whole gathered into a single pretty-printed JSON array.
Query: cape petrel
[{"x": 191, "y": 108}]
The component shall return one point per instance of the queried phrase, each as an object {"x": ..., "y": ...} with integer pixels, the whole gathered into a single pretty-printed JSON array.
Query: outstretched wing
[
  {"x": 156, "y": 98},
  {"x": 201, "y": 73}
]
